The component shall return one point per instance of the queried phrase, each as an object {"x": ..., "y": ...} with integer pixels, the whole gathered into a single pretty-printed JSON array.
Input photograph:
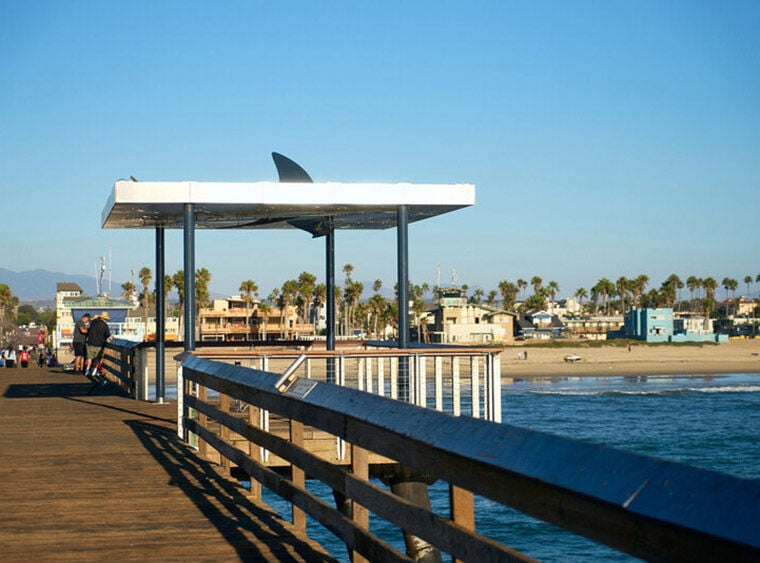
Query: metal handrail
[{"x": 648, "y": 507}]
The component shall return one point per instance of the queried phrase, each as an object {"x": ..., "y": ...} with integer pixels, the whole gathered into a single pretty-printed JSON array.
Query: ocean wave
[{"x": 651, "y": 392}]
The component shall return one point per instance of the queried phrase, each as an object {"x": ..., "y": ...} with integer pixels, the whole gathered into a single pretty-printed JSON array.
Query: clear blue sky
[{"x": 604, "y": 138}]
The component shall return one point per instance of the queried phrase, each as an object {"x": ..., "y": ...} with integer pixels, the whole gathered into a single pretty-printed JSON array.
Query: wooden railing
[
  {"x": 124, "y": 365},
  {"x": 650, "y": 508}
]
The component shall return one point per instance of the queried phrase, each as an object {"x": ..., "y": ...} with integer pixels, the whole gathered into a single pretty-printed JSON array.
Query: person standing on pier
[
  {"x": 79, "y": 341},
  {"x": 98, "y": 335},
  {"x": 23, "y": 357}
]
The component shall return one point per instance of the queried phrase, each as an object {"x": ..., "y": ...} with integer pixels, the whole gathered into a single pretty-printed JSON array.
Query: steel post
[
  {"x": 330, "y": 283},
  {"x": 160, "y": 317},
  {"x": 402, "y": 240},
  {"x": 189, "y": 265}
]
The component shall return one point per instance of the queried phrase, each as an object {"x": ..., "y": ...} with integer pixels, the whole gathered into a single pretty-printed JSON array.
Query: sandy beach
[{"x": 737, "y": 356}]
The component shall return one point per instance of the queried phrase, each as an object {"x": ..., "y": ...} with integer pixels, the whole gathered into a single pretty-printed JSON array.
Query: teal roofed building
[{"x": 659, "y": 325}]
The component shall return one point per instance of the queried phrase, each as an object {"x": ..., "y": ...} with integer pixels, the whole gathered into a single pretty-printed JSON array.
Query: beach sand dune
[{"x": 737, "y": 356}]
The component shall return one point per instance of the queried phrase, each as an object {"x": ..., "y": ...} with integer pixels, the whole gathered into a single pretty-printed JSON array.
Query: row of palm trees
[
  {"x": 377, "y": 314},
  {"x": 630, "y": 292}
]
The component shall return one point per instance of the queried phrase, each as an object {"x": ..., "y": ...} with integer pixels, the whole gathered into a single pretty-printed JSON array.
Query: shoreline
[{"x": 736, "y": 356}]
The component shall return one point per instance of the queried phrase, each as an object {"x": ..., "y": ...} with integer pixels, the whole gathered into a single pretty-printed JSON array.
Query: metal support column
[
  {"x": 402, "y": 239},
  {"x": 160, "y": 317},
  {"x": 330, "y": 283},
  {"x": 189, "y": 264}
]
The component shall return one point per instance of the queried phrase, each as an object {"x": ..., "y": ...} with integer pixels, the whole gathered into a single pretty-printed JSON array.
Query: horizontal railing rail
[{"x": 647, "y": 507}]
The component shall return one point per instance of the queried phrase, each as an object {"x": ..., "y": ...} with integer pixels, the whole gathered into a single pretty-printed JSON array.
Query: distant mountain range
[{"x": 39, "y": 285}]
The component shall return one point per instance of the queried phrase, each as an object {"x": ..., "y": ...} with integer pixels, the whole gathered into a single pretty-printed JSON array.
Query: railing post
[
  {"x": 297, "y": 475},
  {"x": 394, "y": 377},
  {"x": 420, "y": 374},
  {"x": 203, "y": 421},
  {"x": 438, "y": 369},
  {"x": 224, "y": 406},
  {"x": 475, "y": 375},
  {"x": 181, "y": 405},
  {"x": 381, "y": 376},
  {"x": 254, "y": 450},
  {"x": 359, "y": 513},
  {"x": 462, "y": 506},
  {"x": 456, "y": 391}
]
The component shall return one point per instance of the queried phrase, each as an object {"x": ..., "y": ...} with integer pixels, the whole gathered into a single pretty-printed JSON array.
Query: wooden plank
[{"x": 105, "y": 477}]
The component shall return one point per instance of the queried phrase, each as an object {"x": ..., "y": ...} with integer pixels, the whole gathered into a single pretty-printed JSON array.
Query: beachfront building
[
  {"x": 660, "y": 325},
  {"x": 540, "y": 325},
  {"x": 457, "y": 321},
  {"x": 225, "y": 320},
  {"x": 71, "y": 304},
  {"x": 593, "y": 327}
]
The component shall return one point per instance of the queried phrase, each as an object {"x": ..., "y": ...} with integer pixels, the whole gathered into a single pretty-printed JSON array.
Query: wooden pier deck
[{"x": 105, "y": 477}]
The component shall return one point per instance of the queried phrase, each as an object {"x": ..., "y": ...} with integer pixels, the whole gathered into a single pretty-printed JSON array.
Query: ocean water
[{"x": 705, "y": 421}]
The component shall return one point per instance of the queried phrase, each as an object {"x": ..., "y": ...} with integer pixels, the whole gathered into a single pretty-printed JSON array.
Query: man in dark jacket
[{"x": 97, "y": 337}]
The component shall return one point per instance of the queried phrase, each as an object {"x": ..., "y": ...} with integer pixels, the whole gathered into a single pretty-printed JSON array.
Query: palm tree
[
  {"x": 477, "y": 296},
  {"x": 491, "y": 297},
  {"x": 286, "y": 298},
  {"x": 603, "y": 288},
  {"x": 748, "y": 281},
  {"x": 709, "y": 285},
  {"x": 128, "y": 290},
  {"x": 265, "y": 309},
  {"x": 6, "y": 299},
  {"x": 202, "y": 279},
  {"x": 145, "y": 276},
  {"x": 522, "y": 284},
  {"x": 178, "y": 279},
  {"x": 320, "y": 297},
  {"x": 168, "y": 285},
  {"x": 693, "y": 283},
  {"x": 638, "y": 286},
  {"x": 249, "y": 289},
  {"x": 553, "y": 290},
  {"x": 622, "y": 285},
  {"x": 508, "y": 292},
  {"x": 536, "y": 282},
  {"x": 306, "y": 284},
  {"x": 580, "y": 295}
]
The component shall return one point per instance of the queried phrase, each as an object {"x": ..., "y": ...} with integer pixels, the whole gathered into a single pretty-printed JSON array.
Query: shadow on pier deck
[{"x": 105, "y": 477}]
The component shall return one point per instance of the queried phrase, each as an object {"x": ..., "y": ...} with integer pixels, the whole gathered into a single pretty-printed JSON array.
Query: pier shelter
[{"x": 295, "y": 202}]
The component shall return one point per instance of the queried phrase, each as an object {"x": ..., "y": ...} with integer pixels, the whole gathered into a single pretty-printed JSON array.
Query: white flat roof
[{"x": 276, "y": 205}]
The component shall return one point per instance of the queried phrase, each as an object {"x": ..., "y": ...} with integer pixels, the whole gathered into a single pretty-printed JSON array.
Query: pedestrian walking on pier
[{"x": 23, "y": 357}]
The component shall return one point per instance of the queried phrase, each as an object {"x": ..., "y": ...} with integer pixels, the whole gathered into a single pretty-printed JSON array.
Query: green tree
[
  {"x": 249, "y": 290},
  {"x": 508, "y": 292},
  {"x": 318, "y": 300},
  {"x": 287, "y": 298},
  {"x": 622, "y": 285},
  {"x": 128, "y": 290},
  {"x": 553, "y": 289},
  {"x": 536, "y": 302},
  {"x": 521, "y": 285},
  {"x": 709, "y": 285},
  {"x": 306, "y": 284},
  {"x": 145, "y": 276},
  {"x": 178, "y": 279},
  {"x": 6, "y": 304},
  {"x": 537, "y": 283},
  {"x": 580, "y": 295},
  {"x": 693, "y": 283}
]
